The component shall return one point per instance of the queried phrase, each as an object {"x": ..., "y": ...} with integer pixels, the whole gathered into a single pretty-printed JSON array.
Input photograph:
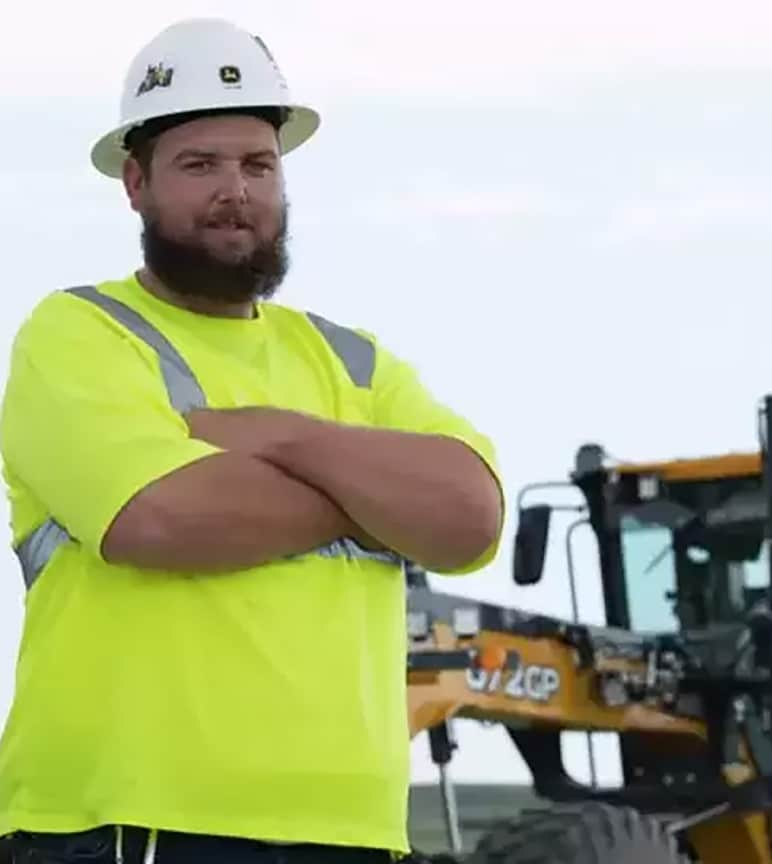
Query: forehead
[{"x": 234, "y": 135}]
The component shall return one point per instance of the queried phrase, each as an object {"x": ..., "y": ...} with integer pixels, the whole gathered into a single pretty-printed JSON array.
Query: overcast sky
[{"x": 560, "y": 212}]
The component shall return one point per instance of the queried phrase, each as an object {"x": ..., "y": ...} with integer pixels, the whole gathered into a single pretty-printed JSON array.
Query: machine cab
[{"x": 682, "y": 544}]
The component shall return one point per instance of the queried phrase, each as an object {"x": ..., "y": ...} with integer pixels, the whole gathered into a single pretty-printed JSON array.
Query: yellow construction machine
[{"x": 681, "y": 671}]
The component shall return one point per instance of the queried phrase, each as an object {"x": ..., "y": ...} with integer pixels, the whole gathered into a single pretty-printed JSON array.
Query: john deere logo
[
  {"x": 156, "y": 76},
  {"x": 230, "y": 74}
]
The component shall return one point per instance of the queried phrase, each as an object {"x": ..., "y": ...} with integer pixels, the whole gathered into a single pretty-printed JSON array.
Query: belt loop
[
  {"x": 119, "y": 844},
  {"x": 150, "y": 849}
]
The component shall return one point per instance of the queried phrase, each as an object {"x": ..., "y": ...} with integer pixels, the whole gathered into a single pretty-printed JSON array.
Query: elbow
[
  {"x": 137, "y": 535},
  {"x": 482, "y": 535},
  {"x": 473, "y": 536},
  {"x": 489, "y": 525}
]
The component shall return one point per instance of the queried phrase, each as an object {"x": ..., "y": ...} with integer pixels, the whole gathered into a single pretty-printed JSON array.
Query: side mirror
[{"x": 531, "y": 544}]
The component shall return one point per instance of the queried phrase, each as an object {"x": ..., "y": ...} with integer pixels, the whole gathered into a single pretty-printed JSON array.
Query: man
[{"x": 212, "y": 499}]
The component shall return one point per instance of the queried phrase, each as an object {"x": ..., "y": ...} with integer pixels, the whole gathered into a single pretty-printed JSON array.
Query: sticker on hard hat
[
  {"x": 230, "y": 75},
  {"x": 156, "y": 76},
  {"x": 265, "y": 50},
  {"x": 534, "y": 683},
  {"x": 272, "y": 60}
]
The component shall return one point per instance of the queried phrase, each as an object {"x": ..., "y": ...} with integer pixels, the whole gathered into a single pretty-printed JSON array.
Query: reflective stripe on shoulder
[
  {"x": 182, "y": 386},
  {"x": 355, "y": 351}
]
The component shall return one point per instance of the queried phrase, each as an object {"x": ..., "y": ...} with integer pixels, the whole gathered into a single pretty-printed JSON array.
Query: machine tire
[{"x": 588, "y": 833}]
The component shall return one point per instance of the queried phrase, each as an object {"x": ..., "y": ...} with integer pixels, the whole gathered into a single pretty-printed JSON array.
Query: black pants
[{"x": 99, "y": 847}]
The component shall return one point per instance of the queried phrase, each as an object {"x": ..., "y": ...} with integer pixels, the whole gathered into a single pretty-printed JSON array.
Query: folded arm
[
  {"x": 224, "y": 512},
  {"x": 429, "y": 497},
  {"x": 109, "y": 459}
]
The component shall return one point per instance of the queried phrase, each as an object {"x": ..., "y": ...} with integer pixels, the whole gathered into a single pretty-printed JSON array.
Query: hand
[{"x": 255, "y": 431}]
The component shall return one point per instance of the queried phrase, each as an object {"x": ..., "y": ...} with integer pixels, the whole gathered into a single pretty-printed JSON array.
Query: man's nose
[{"x": 233, "y": 184}]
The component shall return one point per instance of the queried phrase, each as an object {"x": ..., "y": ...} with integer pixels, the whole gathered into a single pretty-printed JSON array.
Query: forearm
[
  {"x": 226, "y": 512},
  {"x": 429, "y": 498}
]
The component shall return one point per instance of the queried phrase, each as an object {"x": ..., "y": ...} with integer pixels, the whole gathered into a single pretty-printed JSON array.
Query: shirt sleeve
[
  {"x": 403, "y": 402},
  {"x": 86, "y": 422}
]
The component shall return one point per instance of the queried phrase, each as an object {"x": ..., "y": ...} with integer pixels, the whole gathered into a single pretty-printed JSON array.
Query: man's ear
[{"x": 134, "y": 182}]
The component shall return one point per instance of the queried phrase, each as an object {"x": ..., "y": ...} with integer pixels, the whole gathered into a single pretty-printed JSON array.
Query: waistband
[{"x": 109, "y": 844}]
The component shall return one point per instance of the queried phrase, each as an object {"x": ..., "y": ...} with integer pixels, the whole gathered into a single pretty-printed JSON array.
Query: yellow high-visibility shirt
[{"x": 267, "y": 703}]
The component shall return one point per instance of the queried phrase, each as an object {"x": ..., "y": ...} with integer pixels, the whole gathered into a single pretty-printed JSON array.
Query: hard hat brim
[{"x": 108, "y": 154}]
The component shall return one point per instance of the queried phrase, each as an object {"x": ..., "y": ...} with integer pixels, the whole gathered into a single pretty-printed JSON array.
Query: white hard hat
[{"x": 196, "y": 66}]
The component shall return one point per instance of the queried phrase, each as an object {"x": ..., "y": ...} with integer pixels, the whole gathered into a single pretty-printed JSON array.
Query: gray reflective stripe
[
  {"x": 36, "y": 550},
  {"x": 348, "y": 548},
  {"x": 184, "y": 390},
  {"x": 356, "y": 352}
]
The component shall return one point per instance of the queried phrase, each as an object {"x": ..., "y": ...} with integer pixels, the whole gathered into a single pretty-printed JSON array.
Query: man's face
[{"x": 213, "y": 208}]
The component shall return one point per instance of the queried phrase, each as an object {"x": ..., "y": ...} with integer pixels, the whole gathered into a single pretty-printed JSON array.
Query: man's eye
[
  {"x": 198, "y": 165},
  {"x": 258, "y": 168}
]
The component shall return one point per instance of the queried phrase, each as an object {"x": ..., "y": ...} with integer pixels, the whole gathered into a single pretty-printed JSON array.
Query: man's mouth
[{"x": 228, "y": 225}]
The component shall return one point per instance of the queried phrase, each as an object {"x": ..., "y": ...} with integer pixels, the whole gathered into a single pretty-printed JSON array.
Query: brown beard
[{"x": 190, "y": 270}]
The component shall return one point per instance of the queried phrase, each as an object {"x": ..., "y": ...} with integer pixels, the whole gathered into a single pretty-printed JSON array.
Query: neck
[{"x": 200, "y": 305}]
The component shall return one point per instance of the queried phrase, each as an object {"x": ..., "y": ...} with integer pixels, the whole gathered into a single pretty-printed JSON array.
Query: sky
[{"x": 560, "y": 213}]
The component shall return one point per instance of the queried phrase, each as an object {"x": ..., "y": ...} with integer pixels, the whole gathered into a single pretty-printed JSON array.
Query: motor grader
[{"x": 682, "y": 671}]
